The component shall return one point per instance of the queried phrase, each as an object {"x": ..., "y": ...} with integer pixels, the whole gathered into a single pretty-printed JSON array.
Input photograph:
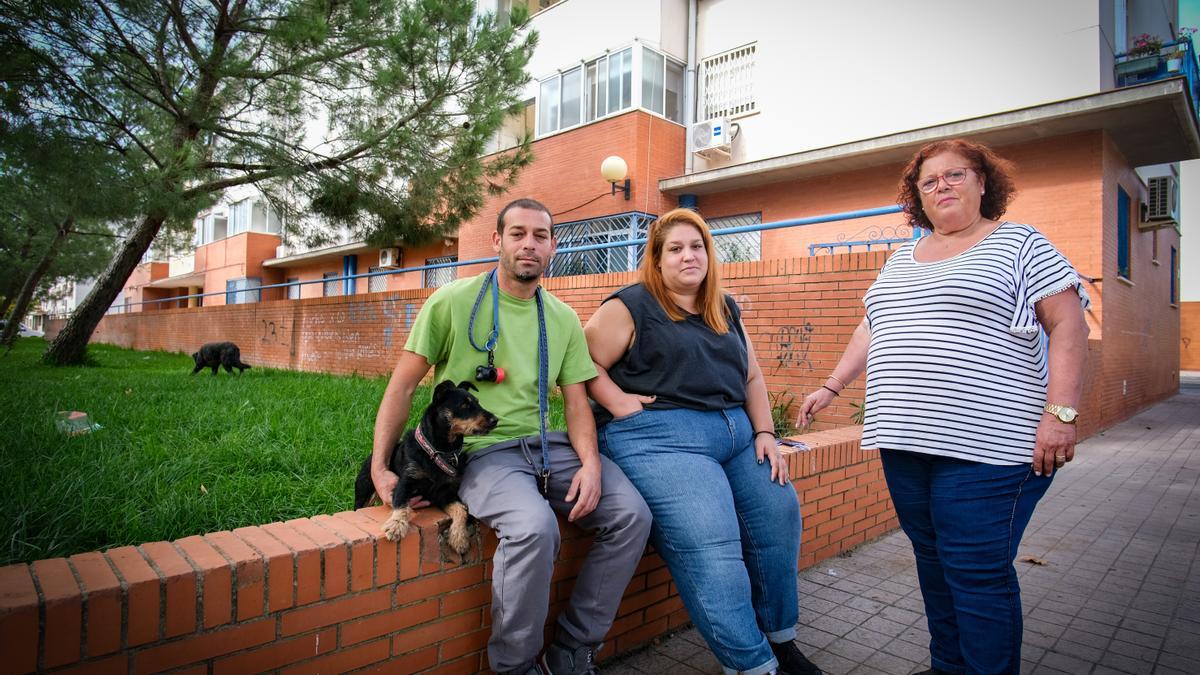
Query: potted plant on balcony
[
  {"x": 1142, "y": 57},
  {"x": 1182, "y": 44}
]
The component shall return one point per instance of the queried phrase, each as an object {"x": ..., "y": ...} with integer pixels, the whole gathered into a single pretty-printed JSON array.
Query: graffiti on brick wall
[
  {"x": 790, "y": 345},
  {"x": 271, "y": 332},
  {"x": 360, "y": 330}
]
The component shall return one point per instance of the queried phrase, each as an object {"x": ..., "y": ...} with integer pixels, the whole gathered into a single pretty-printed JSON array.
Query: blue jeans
[
  {"x": 965, "y": 520},
  {"x": 730, "y": 536}
]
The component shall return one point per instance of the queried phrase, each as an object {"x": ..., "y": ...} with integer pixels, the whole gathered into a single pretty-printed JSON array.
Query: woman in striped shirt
[{"x": 972, "y": 408}]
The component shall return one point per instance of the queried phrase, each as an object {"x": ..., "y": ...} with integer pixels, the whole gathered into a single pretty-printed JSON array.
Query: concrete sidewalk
[{"x": 1119, "y": 591}]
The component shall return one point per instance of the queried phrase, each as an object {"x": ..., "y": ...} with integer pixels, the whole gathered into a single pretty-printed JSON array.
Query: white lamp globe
[{"x": 614, "y": 169}]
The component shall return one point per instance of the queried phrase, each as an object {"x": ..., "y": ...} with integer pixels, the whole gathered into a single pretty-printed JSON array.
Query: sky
[{"x": 1189, "y": 13}]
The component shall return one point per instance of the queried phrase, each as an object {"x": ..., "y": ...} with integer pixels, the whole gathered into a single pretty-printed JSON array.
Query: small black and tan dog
[
  {"x": 217, "y": 354},
  {"x": 429, "y": 462}
]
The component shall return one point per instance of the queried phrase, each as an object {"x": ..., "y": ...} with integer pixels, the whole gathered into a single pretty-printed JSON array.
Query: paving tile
[
  {"x": 850, "y": 649},
  {"x": 1119, "y": 593}
]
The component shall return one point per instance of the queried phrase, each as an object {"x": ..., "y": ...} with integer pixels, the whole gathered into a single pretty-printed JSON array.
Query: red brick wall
[
  {"x": 799, "y": 314},
  {"x": 329, "y": 594},
  {"x": 1189, "y": 336},
  {"x": 565, "y": 174}
]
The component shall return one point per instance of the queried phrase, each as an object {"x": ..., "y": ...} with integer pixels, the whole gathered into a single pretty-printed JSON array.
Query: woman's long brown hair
[{"x": 710, "y": 300}]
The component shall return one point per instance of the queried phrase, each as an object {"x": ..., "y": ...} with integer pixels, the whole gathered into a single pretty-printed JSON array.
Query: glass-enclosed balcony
[
  {"x": 1148, "y": 64},
  {"x": 631, "y": 77}
]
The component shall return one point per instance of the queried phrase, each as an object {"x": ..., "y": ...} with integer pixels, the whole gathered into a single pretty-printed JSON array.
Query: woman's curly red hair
[{"x": 996, "y": 173}]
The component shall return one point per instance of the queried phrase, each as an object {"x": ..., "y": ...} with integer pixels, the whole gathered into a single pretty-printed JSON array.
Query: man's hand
[
  {"x": 584, "y": 491},
  {"x": 385, "y": 485}
]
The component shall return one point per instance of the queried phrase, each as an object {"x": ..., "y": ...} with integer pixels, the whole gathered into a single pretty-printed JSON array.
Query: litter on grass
[{"x": 75, "y": 423}]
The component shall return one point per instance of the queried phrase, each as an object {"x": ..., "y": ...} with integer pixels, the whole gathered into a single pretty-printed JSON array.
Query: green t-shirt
[{"x": 440, "y": 335}]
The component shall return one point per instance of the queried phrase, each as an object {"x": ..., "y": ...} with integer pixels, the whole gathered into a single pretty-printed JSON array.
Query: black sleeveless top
[{"x": 684, "y": 363}]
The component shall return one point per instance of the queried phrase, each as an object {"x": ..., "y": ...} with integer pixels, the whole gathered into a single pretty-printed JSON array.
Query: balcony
[{"x": 1174, "y": 59}]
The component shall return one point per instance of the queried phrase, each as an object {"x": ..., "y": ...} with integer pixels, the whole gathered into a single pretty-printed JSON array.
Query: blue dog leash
[{"x": 489, "y": 346}]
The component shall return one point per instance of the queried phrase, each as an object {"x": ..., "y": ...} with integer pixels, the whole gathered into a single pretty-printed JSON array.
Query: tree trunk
[
  {"x": 14, "y": 288},
  {"x": 25, "y": 297},
  {"x": 70, "y": 345}
]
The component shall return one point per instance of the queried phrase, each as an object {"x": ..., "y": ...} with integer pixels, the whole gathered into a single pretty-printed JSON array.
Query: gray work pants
[{"x": 500, "y": 488}]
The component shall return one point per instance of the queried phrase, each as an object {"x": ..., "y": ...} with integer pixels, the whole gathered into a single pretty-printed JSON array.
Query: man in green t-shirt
[{"x": 505, "y": 483}]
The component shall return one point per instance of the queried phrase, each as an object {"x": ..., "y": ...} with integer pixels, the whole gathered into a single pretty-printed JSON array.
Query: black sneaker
[
  {"x": 792, "y": 661},
  {"x": 562, "y": 659}
]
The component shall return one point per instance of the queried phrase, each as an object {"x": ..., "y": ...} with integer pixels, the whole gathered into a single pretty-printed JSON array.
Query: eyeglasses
[{"x": 951, "y": 176}]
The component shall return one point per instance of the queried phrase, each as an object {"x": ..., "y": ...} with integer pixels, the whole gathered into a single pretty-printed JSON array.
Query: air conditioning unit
[
  {"x": 389, "y": 257},
  {"x": 1161, "y": 208},
  {"x": 711, "y": 138}
]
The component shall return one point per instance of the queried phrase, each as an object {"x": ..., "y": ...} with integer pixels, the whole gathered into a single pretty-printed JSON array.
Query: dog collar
[{"x": 433, "y": 454}]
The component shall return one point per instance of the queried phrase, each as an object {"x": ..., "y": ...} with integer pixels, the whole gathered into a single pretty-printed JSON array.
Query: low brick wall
[{"x": 329, "y": 594}]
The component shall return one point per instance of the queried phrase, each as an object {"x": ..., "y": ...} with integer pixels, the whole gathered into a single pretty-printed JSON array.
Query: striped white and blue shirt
[{"x": 957, "y": 361}]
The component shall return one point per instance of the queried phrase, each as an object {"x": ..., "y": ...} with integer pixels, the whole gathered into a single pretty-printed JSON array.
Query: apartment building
[{"x": 758, "y": 111}]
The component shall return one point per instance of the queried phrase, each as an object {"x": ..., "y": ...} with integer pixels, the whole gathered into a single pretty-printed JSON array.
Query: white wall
[
  {"x": 831, "y": 73},
  {"x": 1189, "y": 241}
]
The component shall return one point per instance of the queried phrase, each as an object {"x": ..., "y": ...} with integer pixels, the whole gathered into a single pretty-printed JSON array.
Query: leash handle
[
  {"x": 543, "y": 387},
  {"x": 493, "y": 337}
]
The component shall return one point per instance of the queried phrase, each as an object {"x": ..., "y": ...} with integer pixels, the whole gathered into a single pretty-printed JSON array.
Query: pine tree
[{"x": 205, "y": 95}]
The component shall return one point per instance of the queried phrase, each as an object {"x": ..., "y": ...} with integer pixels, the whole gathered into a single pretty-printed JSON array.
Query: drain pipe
[{"x": 689, "y": 87}]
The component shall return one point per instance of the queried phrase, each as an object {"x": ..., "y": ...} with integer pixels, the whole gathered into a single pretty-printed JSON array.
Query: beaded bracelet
[{"x": 831, "y": 390}]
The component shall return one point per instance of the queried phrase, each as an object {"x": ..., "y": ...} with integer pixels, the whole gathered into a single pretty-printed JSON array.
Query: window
[
  {"x": 741, "y": 247},
  {"x": 726, "y": 84},
  {"x": 586, "y": 93},
  {"x": 662, "y": 85},
  {"x": 293, "y": 292},
  {"x": 548, "y": 105},
  {"x": 442, "y": 275},
  {"x": 1123, "y": 234},
  {"x": 241, "y": 216},
  {"x": 331, "y": 287},
  {"x": 620, "y": 80},
  {"x": 210, "y": 228},
  {"x": 376, "y": 284},
  {"x": 241, "y": 291},
  {"x": 1174, "y": 276}
]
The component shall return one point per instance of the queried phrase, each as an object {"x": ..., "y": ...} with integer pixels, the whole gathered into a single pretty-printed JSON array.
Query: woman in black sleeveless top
[{"x": 683, "y": 410}]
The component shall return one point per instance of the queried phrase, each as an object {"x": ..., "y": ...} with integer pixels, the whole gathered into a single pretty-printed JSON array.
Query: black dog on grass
[
  {"x": 216, "y": 354},
  {"x": 429, "y": 462}
]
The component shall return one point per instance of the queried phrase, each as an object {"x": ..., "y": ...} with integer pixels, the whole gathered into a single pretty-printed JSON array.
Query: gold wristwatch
[{"x": 1065, "y": 413}]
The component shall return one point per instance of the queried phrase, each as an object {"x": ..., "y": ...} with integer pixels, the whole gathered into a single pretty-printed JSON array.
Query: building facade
[{"x": 759, "y": 111}]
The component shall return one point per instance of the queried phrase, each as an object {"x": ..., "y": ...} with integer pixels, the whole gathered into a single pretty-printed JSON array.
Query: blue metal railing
[
  {"x": 1173, "y": 59},
  {"x": 793, "y": 222}
]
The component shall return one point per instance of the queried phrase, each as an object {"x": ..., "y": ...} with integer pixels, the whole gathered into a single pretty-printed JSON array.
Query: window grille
[
  {"x": 242, "y": 291},
  {"x": 332, "y": 287},
  {"x": 378, "y": 283},
  {"x": 727, "y": 84},
  {"x": 608, "y": 229},
  {"x": 442, "y": 275},
  {"x": 740, "y": 247}
]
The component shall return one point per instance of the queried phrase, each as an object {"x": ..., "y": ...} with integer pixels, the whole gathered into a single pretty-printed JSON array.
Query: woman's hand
[
  {"x": 1055, "y": 440},
  {"x": 766, "y": 447},
  {"x": 628, "y": 404},
  {"x": 813, "y": 404}
]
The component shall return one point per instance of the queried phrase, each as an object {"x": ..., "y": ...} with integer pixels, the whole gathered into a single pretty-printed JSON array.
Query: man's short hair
[{"x": 524, "y": 203}]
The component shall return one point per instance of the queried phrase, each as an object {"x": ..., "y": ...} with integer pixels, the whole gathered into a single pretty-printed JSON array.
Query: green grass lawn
[{"x": 178, "y": 454}]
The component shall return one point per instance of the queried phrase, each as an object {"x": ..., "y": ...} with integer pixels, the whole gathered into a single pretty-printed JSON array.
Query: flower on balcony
[
  {"x": 1186, "y": 32},
  {"x": 1146, "y": 45}
]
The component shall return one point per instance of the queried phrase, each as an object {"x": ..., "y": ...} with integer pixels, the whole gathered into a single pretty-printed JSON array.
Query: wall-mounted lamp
[{"x": 614, "y": 170}]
